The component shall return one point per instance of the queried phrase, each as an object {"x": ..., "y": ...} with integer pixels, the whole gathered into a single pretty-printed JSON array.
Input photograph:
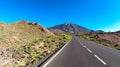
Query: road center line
[
  {"x": 89, "y": 50},
  {"x": 100, "y": 59},
  {"x": 45, "y": 65}
]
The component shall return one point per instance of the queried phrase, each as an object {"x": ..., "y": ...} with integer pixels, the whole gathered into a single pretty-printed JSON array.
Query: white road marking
[
  {"x": 84, "y": 46},
  {"x": 100, "y": 59},
  {"x": 45, "y": 65},
  {"x": 89, "y": 50}
]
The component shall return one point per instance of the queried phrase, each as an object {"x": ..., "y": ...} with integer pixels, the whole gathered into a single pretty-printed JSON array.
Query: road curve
[{"x": 82, "y": 53}]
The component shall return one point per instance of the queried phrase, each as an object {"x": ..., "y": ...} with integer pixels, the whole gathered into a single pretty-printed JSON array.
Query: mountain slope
[
  {"x": 70, "y": 28},
  {"x": 111, "y": 39},
  {"x": 23, "y": 43},
  {"x": 20, "y": 32}
]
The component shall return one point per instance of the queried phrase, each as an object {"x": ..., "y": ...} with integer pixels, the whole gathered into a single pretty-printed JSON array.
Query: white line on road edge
[
  {"x": 45, "y": 65},
  {"x": 89, "y": 50},
  {"x": 100, "y": 59},
  {"x": 84, "y": 46}
]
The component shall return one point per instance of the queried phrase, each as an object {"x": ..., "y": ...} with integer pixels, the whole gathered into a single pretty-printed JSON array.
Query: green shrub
[
  {"x": 36, "y": 41},
  {"x": 27, "y": 49},
  {"x": 65, "y": 36},
  {"x": 53, "y": 40},
  {"x": 41, "y": 39},
  {"x": 45, "y": 45},
  {"x": 42, "y": 54},
  {"x": 48, "y": 41},
  {"x": 118, "y": 48},
  {"x": 27, "y": 63},
  {"x": 33, "y": 60},
  {"x": 48, "y": 36},
  {"x": 60, "y": 38},
  {"x": 36, "y": 51},
  {"x": 38, "y": 56}
]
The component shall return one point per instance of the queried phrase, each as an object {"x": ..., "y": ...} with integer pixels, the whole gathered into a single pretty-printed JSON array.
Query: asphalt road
[{"x": 82, "y": 53}]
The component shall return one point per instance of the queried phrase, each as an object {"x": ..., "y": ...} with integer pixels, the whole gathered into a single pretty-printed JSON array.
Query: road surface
[{"x": 82, "y": 53}]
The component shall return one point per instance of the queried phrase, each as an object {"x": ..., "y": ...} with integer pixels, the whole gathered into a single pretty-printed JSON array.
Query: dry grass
[{"x": 26, "y": 42}]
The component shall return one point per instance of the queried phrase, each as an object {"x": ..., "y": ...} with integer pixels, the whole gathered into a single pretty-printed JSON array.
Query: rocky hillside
[
  {"x": 69, "y": 28},
  {"x": 111, "y": 39},
  {"x": 23, "y": 43},
  {"x": 20, "y": 32}
]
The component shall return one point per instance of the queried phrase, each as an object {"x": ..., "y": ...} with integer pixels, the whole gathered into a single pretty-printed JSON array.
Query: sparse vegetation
[
  {"x": 106, "y": 39},
  {"x": 33, "y": 53},
  {"x": 89, "y": 38},
  {"x": 28, "y": 43}
]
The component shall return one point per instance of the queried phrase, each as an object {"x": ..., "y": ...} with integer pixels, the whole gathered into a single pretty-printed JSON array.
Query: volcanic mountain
[{"x": 69, "y": 28}]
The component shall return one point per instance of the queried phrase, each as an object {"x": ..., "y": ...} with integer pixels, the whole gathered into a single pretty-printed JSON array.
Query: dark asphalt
[{"x": 74, "y": 54}]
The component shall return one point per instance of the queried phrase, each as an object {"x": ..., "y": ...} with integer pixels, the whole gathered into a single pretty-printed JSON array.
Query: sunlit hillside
[{"x": 22, "y": 43}]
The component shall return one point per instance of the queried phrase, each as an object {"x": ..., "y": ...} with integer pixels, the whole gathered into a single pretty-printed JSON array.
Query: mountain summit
[{"x": 69, "y": 28}]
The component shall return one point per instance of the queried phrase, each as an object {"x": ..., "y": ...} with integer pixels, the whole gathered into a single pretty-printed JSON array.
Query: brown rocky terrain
[
  {"x": 111, "y": 39},
  {"x": 57, "y": 31}
]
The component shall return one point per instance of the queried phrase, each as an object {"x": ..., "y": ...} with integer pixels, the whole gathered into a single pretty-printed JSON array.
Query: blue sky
[{"x": 92, "y": 14}]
